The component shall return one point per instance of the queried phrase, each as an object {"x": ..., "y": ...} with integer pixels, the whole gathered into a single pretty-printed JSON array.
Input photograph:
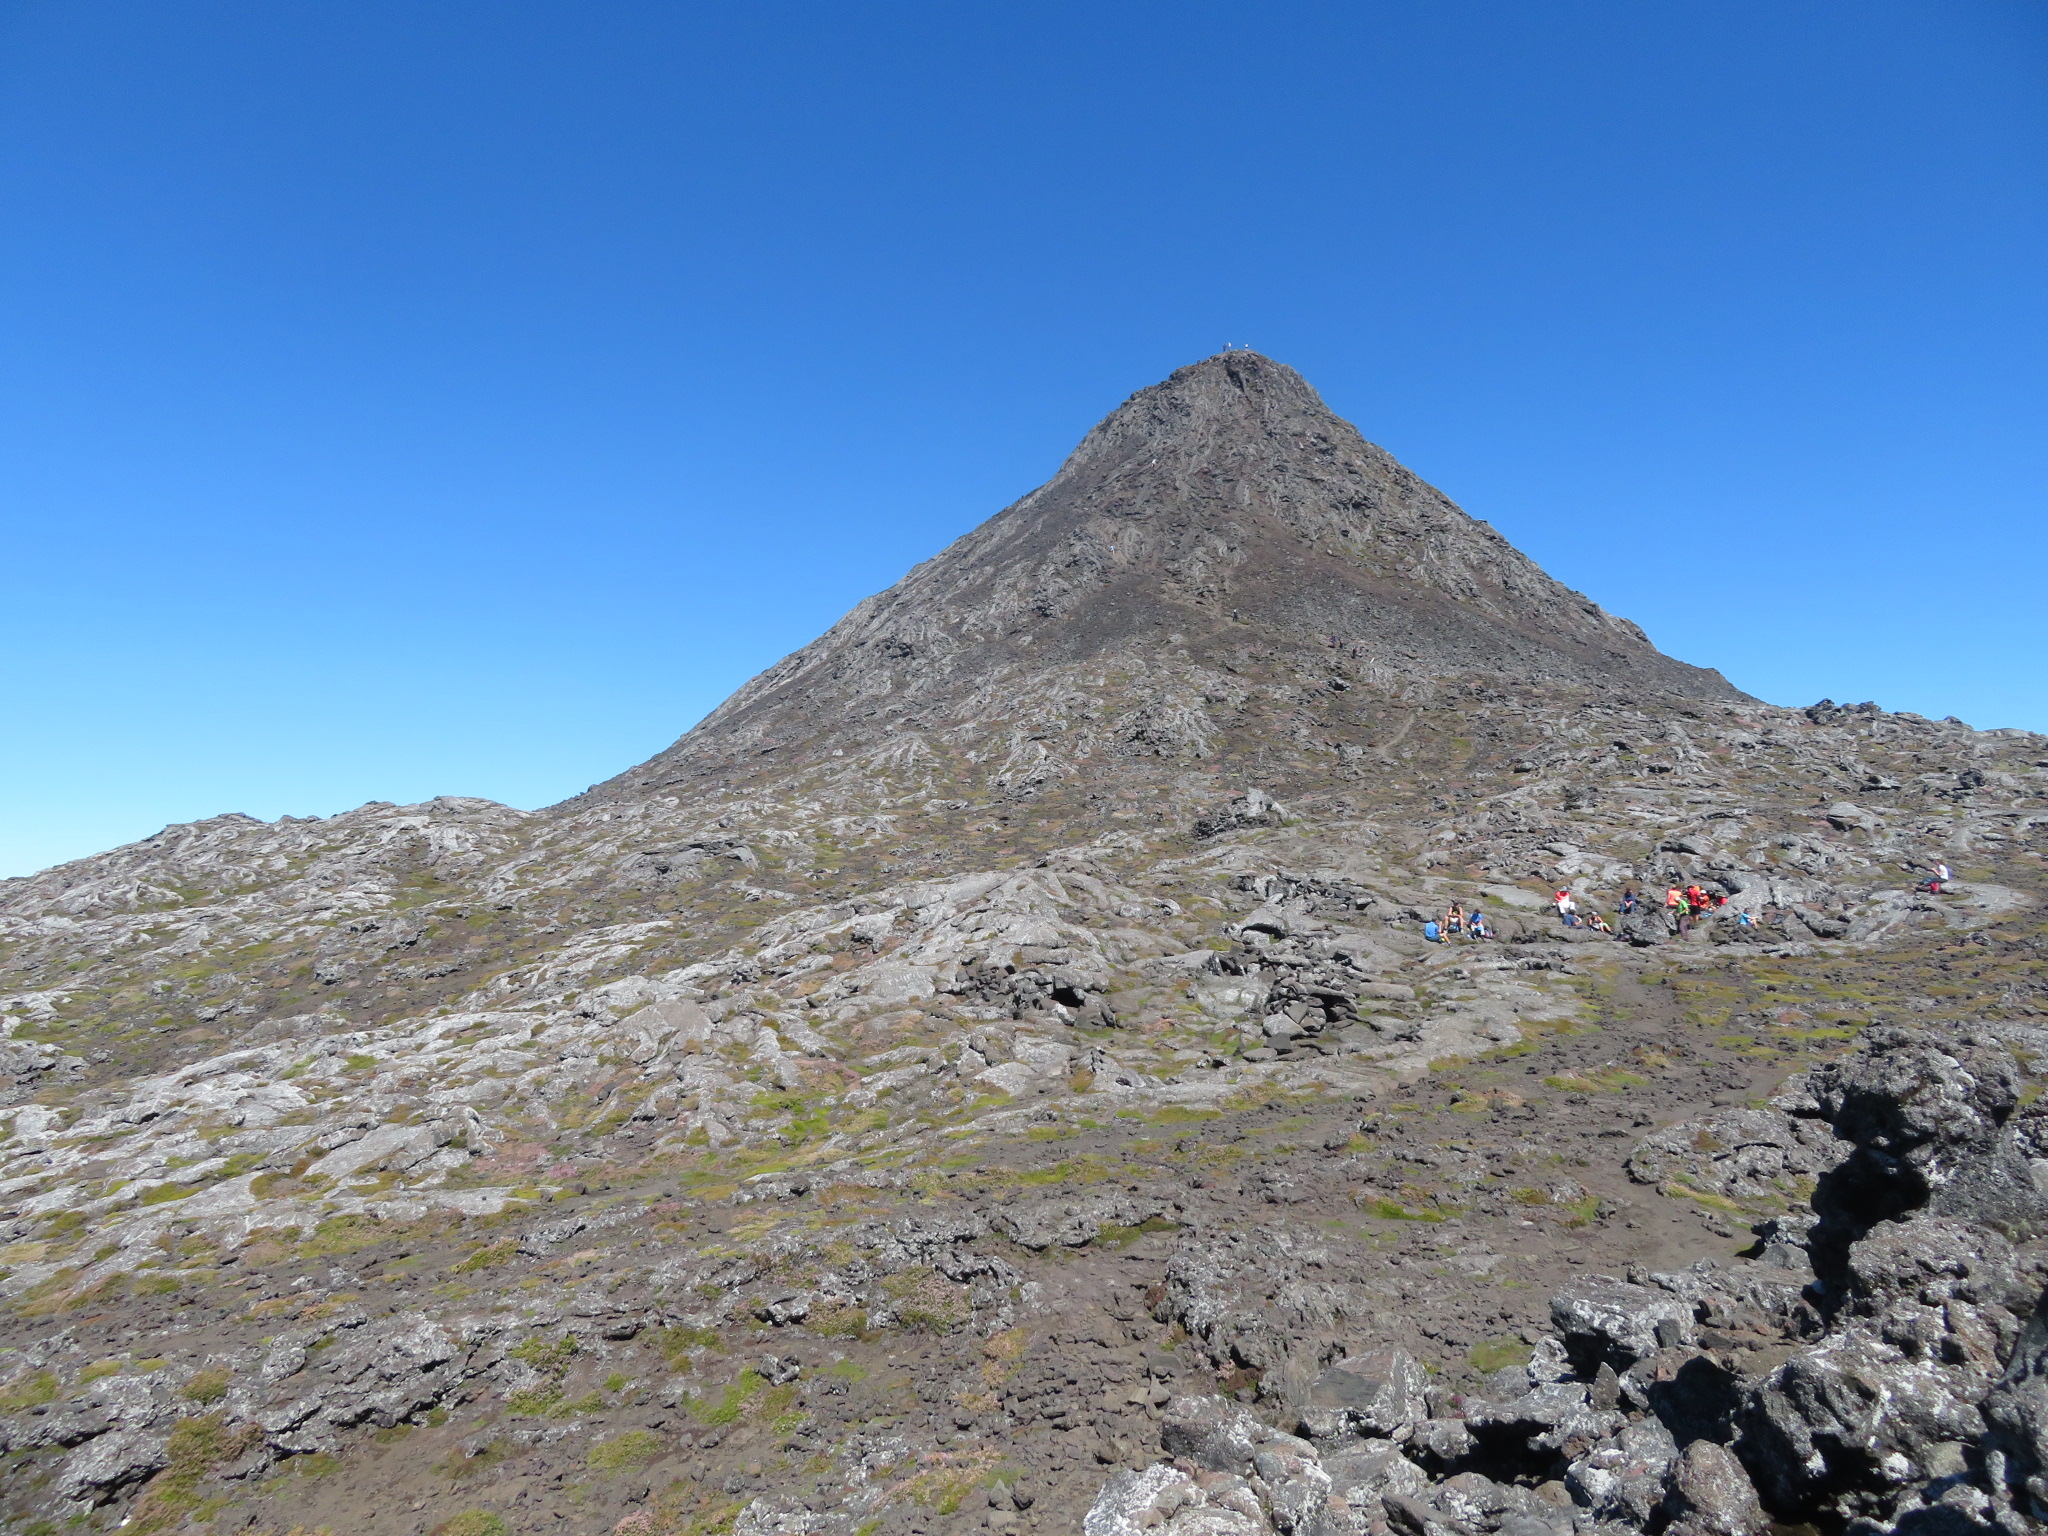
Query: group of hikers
[
  {"x": 1457, "y": 923},
  {"x": 1683, "y": 907}
]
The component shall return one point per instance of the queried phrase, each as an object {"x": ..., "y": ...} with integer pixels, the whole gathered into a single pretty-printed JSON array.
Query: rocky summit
[{"x": 993, "y": 1074}]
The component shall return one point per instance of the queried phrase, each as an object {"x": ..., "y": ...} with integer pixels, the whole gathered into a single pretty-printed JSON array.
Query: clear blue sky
[{"x": 414, "y": 398}]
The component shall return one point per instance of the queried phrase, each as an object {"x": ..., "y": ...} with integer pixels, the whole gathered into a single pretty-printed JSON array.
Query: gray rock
[
  {"x": 1297, "y": 1486},
  {"x": 1253, "y": 808},
  {"x": 102, "y": 1467},
  {"x": 2016, "y": 1417},
  {"x": 1642, "y": 929},
  {"x": 1132, "y": 1502},
  {"x": 1927, "y": 1116},
  {"x": 63, "y": 1426},
  {"x": 1603, "y": 1318},
  {"x": 1073, "y": 1222},
  {"x": 384, "y": 1373},
  {"x": 1364, "y": 1470},
  {"x": 1934, "y": 1262},
  {"x": 1212, "y": 1432},
  {"x": 1848, "y": 1423},
  {"x": 1711, "y": 1494},
  {"x": 781, "y": 1311},
  {"x": 1623, "y": 1478},
  {"x": 1742, "y": 1154},
  {"x": 1556, "y": 1416},
  {"x": 1442, "y": 1443},
  {"x": 1376, "y": 1394},
  {"x": 1412, "y": 1517}
]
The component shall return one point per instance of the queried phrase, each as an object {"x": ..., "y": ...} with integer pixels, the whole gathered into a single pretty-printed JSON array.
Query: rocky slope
[{"x": 990, "y": 1075}]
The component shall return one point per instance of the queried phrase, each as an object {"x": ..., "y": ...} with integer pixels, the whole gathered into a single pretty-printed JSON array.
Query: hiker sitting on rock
[
  {"x": 1628, "y": 902},
  {"x": 1454, "y": 921},
  {"x": 1475, "y": 925},
  {"x": 1567, "y": 909},
  {"x": 1937, "y": 877}
]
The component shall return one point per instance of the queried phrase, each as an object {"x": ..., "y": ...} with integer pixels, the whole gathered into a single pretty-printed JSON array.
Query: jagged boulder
[
  {"x": 2016, "y": 1419},
  {"x": 1253, "y": 808},
  {"x": 1211, "y": 1432},
  {"x": 1922, "y": 1290},
  {"x": 1606, "y": 1319},
  {"x": 1623, "y": 1478},
  {"x": 102, "y": 1466},
  {"x": 1927, "y": 1118},
  {"x": 1073, "y": 1222},
  {"x": 1711, "y": 1494},
  {"x": 1742, "y": 1154},
  {"x": 1374, "y": 1395}
]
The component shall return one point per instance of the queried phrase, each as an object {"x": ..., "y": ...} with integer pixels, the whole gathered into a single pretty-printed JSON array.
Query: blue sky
[{"x": 402, "y": 399}]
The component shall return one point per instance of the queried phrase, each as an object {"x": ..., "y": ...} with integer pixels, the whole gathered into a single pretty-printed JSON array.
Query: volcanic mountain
[
  {"x": 1223, "y": 515},
  {"x": 993, "y": 1074}
]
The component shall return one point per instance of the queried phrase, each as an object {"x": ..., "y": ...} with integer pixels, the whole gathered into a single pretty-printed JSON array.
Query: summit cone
[{"x": 1220, "y": 519}]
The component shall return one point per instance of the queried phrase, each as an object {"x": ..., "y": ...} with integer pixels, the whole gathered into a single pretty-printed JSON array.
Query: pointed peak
[
  {"x": 1236, "y": 391},
  {"x": 1223, "y": 519}
]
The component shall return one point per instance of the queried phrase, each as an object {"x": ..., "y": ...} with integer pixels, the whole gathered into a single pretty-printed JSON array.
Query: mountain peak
[
  {"x": 1237, "y": 390},
  {"x": 1222, "y": 514}
]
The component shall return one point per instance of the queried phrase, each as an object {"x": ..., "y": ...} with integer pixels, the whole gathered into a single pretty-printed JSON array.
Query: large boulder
[
  {"x": 1073, "y": 1222},
  {"x": 1615, "y": 1321},
  {"x": 1845, "y": 1426},
  {"x": 1376, "y": 1395},
  {"x": 1711, "y": 1494},
  {"x": 1739, "y": 1154},
  {"x": 100, "y": 1468},
  {"x": 1623, "y": 1478},
  {"x": 1366, "y": 1470},
  {"x": 1927, "y": 1116},
  {"x": 1139, "y": 1503},
  {"x": 1938, "y": 1263},
  {"x": 2016, "y": 1418},
  {"x": 1212, "y": 1432},
  {"x": 1550, "y": 1422}
]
